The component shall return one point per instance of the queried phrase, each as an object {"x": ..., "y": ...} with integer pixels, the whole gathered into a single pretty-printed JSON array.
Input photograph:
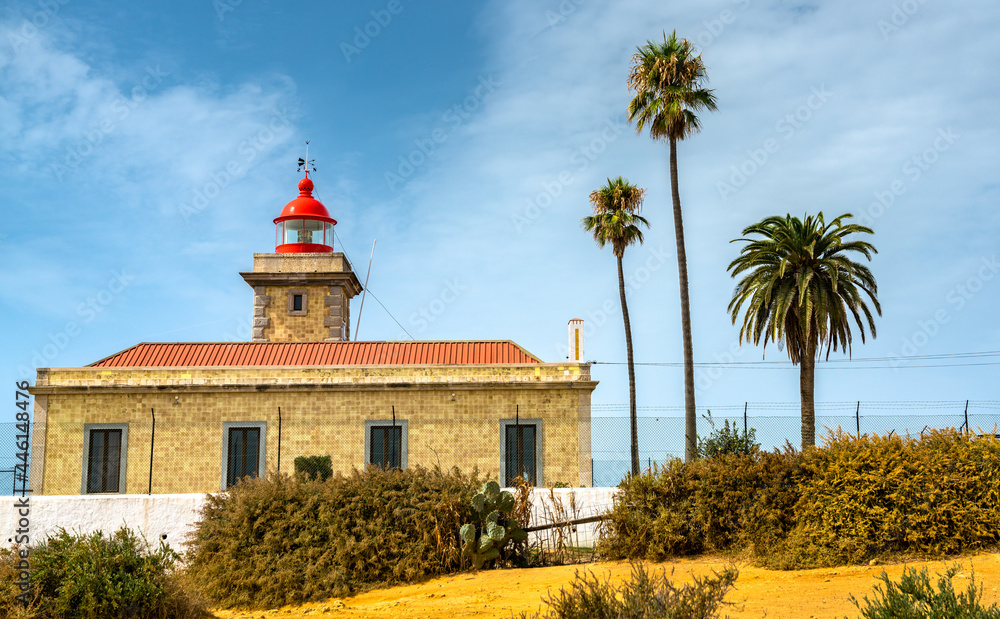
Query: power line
[
  {"x": 791, "y": 367},
  {"x": 988, "y": 353},
  {"x": 391, "y": 316},
  {"x": 343, "y": 248},
  {"x": 834, "y": 405},
  {"x": 787, "y": 365}
]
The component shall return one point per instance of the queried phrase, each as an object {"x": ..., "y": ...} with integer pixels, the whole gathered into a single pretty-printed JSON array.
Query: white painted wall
[
  {"x": 587, "y": 502},
  {"x": 154, "y": 516},
  {"x": 171, "y": 517}
]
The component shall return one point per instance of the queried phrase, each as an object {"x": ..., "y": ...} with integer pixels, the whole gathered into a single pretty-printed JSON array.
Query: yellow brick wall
[
  {"x": 189, "y": 434},
  {"x": 308, "y": 328},
  {"x": 349, "y": 375}
]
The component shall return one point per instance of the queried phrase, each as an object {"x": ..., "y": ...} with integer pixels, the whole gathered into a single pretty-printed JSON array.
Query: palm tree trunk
[
  {"x": 631, "y": 371},
  {"x": 690, "y": 417},
  {"x": 807, "y": 394}
]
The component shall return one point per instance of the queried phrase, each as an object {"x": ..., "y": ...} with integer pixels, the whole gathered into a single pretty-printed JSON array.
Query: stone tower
[{"x": 302, "y": 291}]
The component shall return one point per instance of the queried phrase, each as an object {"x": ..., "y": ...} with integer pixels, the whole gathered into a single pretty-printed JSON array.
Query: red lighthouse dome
[{"x": 304, "y": 225}]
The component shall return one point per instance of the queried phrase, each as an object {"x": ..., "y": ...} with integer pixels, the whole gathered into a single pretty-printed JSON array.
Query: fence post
[
  {"x": 857, "y": 419},
  {"x": 592, "y": 484},
  {"x": 518, "y": 446},
  {"x": 966, "y": 415},
  {"x": 279, "y": 439},
  {"x": 393, "y": 442},
  {"x": 152, "y": 442},
  {"x": 745, "y": 420}
]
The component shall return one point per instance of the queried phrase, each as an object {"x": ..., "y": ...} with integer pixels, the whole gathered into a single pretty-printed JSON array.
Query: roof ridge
[
  {"x": 383, "y": 352},
  {"x": 473, "y": 341}
]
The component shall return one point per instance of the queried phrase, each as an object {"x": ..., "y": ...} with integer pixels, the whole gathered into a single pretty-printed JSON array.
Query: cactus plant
[{"x": 485, "y": 539}]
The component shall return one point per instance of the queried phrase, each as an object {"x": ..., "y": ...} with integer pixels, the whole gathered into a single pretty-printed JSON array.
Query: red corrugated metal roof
[{"x": 210, "y": 354}]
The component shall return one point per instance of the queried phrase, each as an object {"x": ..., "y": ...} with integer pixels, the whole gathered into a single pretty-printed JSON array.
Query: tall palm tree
[
  {"x": 668, "y": 79},
  {"x": 801, "y": 288},
  {"x": 616, "y": 220}
]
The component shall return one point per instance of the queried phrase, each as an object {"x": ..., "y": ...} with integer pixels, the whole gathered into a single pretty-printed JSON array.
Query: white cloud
[
  {"x": 559, "y": 84},
  {"x": 118, "y": 155}
]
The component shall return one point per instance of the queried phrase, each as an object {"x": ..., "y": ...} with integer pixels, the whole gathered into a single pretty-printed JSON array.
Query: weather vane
[{"x": 307, "y": 163}]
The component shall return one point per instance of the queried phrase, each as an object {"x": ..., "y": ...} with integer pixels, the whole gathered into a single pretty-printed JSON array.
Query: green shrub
[
  {"x": 10, "y": 605},
  {"x": 914, "y": 597},
  {"x": 645, "y": 596},
  {"x": 883, "y": 495},
  {"x": 99, "y": 577},
  {"x": 493, "y": 535},
  {"x": 289, "y": 540},
  {"x": 314, "y": 466},
  {"x": 731, "y": 501},
  {"x": 652, "y": 515},
  {"x": 727, "y": 440},
  {"x": 848, "y": 501}
]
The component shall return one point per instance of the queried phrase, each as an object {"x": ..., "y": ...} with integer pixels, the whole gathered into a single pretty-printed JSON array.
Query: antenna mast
[{"x": 357, "y": 327}]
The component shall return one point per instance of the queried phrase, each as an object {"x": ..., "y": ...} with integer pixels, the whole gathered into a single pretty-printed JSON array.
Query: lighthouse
[
  {"x": 304, "y": 225},
  {"x": 302, "y": 290}
]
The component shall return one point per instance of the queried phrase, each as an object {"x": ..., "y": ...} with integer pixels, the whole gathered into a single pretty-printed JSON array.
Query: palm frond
[
  {"x": 799, "y": 286},
  {"x": 616, "y": 220},
  {"x": 669, "y": 81}
]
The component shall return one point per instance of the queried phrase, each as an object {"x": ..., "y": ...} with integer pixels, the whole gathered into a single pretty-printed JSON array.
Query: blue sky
[{"x": 144, "y": 152}]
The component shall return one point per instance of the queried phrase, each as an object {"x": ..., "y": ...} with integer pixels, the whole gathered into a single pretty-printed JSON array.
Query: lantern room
[{"x": 304, "y": 225}]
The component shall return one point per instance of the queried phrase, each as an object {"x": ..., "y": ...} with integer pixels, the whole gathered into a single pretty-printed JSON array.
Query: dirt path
[{"x": 759, "y": 592}]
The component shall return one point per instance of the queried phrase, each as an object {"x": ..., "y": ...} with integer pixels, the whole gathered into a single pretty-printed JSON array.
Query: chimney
[{"x": 576, "y": 341}]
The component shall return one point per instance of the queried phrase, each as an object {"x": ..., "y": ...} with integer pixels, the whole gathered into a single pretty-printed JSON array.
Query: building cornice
[
  {"x": 349, "y": 280},
  {"x": 312, "y": 386}
]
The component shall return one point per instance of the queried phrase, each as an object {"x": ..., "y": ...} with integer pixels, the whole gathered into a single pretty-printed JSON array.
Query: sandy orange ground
[{"x": 758, "y": 593}]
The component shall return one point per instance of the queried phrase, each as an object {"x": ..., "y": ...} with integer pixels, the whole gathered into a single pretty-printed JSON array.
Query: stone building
[{"x": 195, "y": 417}]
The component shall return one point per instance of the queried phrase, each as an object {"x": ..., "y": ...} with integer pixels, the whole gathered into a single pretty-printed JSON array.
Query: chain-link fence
[
  {"x": 204, "y": 456},
  {"x": 661, "y": 429}
]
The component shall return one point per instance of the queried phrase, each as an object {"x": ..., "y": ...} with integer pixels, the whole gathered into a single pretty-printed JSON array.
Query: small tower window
[{"x": 298, "y": 302}]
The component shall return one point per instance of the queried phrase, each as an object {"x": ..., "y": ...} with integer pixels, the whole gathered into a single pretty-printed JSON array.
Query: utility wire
[
  {"x": 845, "y": 405},
  {"x": 792, "y": 367},
  {"x": 343, "y": 248},
  {"x": 785, "y": 365},
  {"x": 391, "y": 316}
]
